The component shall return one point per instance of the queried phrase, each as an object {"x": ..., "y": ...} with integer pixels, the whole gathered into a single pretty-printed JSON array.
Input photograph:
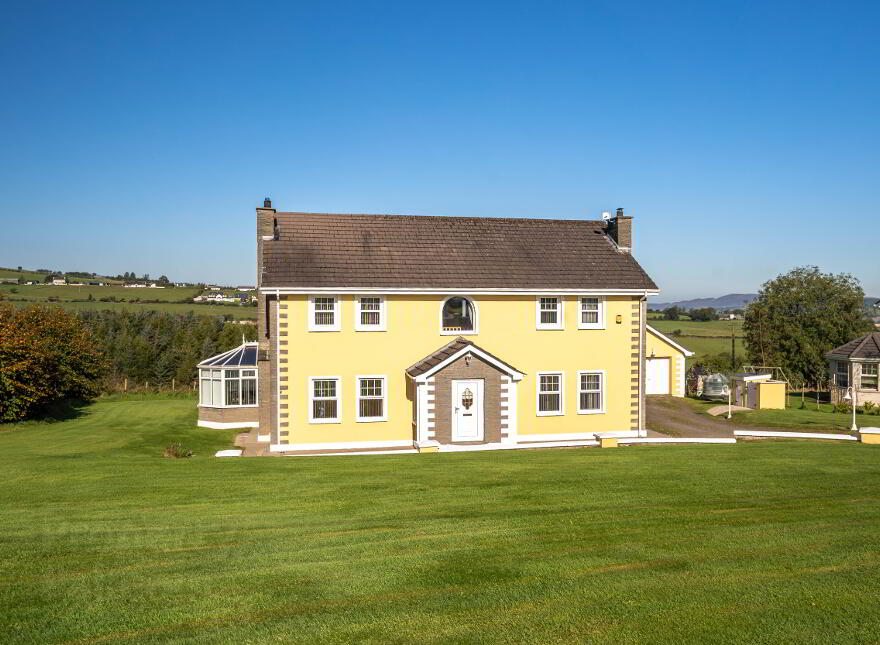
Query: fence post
[
  {"x": 172, "y": 385},
  {"x": 125, "y": 387}
]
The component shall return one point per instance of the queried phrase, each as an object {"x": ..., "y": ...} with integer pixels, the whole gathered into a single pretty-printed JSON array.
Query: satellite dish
[{"x": 606, "y": 216}]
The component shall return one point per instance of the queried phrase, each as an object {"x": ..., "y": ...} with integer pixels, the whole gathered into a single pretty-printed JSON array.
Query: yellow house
[
  {"x": 412, "y": 333},
  {"x": 664, "y": 364}
]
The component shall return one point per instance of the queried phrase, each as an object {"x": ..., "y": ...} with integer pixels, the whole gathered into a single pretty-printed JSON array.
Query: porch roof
[
  {"x": 436, "y": 360},
  {"x": 242, "y": 356},
  {"x": 866, "y": 347}
]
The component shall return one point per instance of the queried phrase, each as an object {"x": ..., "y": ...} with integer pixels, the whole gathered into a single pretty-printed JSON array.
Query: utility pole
[{"x": 732, "y": 345}]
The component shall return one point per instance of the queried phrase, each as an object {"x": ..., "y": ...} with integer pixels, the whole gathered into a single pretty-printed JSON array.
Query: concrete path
[
  {"x": 718, "y": 410},
  {"x": 247, "y": 441}
]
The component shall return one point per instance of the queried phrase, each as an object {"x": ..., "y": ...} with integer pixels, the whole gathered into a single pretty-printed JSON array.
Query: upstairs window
[
  {"x": 369, "y": 313},
  {"x": 590, "y": 393},
  {"x": 550, "y": 388},
  {"x": 324, "y": 400},
  {"x": 592, "y": 313},
  {"x": 869, "y": 376},
  {"x": 458, "y": 316},
  {"x": 324, "y": 313},
  {"x": 548, "y": 313},
  {"x": 842, "y": 374}
]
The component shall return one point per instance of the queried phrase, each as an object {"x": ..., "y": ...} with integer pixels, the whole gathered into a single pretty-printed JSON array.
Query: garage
[{"x": 657, "y": 376}]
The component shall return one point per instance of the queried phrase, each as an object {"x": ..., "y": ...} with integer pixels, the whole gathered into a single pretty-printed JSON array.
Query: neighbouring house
[
  {"x": 855, "y": 365},
  {"x": 415, "y": 333},
  {"x": 758, "y": 392},
  {"x": 664, "y": 364},
  {"x": 58, "y": 282},
  {"x": 228, "y": 389}
]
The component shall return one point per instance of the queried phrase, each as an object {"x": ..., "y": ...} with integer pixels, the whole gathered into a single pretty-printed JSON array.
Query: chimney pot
[
  {"x": 267, "y": 203},
  {"x": 620, "y": 212}
]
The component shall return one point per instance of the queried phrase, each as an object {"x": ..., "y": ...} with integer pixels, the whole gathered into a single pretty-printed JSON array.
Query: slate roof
[
  {"x": 242, "y": 356},
  {"x": 866, "y": 347},
  {"x": 400, "y": 251},
  {"x": 450, "y": 349}
]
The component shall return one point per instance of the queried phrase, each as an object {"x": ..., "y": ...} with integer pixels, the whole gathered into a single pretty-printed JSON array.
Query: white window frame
[
  {"x": 337, "y": 311},
  {"x": 550, "y": 413},
  {"x": 383, "y": 314},
  {"x": 358, "y": 398},
  {"x": 600, "y": 318},
  {"x": 338, "y": 397},
  {"x": 560, "y": 313},
  {"x": 461, "y": 332},
  {"x": 601, "y": 408},
  {"x": 876, "y": 376},
  {"x": 222, "y": 380}
]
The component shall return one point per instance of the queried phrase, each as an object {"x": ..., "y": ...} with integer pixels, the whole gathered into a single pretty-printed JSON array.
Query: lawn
[
  {"x": 106, "y": 542},
  {"x": 720, "y": 328},
  {"x": 41, "y": 292}
]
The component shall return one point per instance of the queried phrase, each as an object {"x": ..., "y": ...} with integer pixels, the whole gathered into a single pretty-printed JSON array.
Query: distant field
[
  {"x": 691, "y": 328},
  {"x": 8, "y": 272},
  {"x": 235, "y": 311},
  {"x": 40, "y": 292}
]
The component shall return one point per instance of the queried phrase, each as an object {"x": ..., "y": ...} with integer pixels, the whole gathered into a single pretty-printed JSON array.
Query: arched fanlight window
[{"x": 458, "y": 315}]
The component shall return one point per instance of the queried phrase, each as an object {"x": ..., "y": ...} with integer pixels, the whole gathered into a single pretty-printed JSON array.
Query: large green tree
[
  {"x": 46, "y": 355},
  {"x": 801, "y": 315}
]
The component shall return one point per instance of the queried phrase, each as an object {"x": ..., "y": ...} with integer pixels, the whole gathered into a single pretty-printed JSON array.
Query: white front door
[
  {"x": 657, "y": 376},
  {"x": 467, "y": 410}
]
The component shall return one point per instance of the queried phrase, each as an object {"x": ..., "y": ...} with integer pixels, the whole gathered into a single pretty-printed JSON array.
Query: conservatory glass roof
[{"x": 242, "y": 356}]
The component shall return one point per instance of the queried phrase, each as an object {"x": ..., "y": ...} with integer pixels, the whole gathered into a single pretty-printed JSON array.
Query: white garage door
[{"x": 657, "y": 376}]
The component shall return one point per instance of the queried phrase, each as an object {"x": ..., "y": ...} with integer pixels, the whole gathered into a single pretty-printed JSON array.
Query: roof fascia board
[
  {"x": 454, "y": 290},
  {"x": 473, "y": 349}
]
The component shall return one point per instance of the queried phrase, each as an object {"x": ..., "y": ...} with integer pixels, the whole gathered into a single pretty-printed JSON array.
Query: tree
[
  {"x": 672, "y": 313},
  {"x": 801, "y": 315},
  {"x": 46, "y": 355},
  {"x": 703, "y": 315}
]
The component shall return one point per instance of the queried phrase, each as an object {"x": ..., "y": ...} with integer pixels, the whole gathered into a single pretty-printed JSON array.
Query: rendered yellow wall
[
  {"x": 506, "y": 329},
  {"x": 771, "y": 396},
  {"x": 656, "y": 347}
]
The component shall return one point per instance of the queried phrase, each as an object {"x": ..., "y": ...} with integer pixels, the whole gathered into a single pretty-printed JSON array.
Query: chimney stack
[
  {"x": 267, "y": 203},
  {"x": 620, "y": 228}
]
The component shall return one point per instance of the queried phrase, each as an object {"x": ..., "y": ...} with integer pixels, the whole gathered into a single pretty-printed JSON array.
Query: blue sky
[{"x": 743, "y": 137}]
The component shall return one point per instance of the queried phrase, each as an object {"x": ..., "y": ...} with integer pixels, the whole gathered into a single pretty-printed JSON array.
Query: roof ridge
[{"x": 449, "y": 217}]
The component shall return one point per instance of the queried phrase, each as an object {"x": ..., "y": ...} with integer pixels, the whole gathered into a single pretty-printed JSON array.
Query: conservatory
[{"x": 228, "y": 391}]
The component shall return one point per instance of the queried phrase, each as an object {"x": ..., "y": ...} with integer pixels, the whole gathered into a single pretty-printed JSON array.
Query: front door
[{"x": 467, "y": 410}]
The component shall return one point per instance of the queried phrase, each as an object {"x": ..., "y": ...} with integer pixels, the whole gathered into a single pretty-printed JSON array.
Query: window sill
[
  {"x": 371, "y": 420},
  {"x": 453, "y": 332},
  {"x": 555, "y": 328},
  {"x": 226, "y": 407},
  {"x": 591, "y": 326},
  {"x": 370, "y": 329},
  {"x": 322, "y": 421},
  {"x": 324, "y": 329},
  {"x": 550, "y": 414},
  {"x": 591, "y": 411}
]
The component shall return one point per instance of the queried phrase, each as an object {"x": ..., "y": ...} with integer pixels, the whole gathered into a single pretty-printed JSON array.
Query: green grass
[
  {"x": 41, "y": 292},
  {"x": 104, "y": 541},
  {"x": 809, "y": 419},
  {"x": 719, "y": 328}
]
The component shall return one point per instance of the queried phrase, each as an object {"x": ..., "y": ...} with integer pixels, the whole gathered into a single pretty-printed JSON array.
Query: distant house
[
  {"x": 58, "y": 282},
  {"x": 855, "y": 365}
]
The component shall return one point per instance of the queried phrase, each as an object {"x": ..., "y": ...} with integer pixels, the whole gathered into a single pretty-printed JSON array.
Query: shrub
[
  {"x": 177, "y": 451},
  {"x": 844, "y": 408},
  {"x": 869, "y": 407},
  {"x": 46, "y": 356}
]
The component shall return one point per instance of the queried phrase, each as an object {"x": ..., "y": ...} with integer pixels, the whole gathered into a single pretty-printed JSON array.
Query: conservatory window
[
  {"x": 869, "y": 376},
  {"x": 549, "y": 312},
  {"x": 592, "y": 314},
  {"x": 228, "y": 388},
  {"x": 459, "y": 315}
]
